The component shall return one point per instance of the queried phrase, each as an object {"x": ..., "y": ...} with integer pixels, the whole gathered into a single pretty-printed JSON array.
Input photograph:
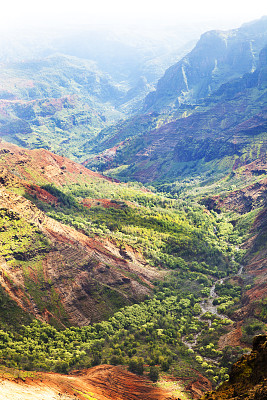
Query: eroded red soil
[{"x": 103, "y": 382}]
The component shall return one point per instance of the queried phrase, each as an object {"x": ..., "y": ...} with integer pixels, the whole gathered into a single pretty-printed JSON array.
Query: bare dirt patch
[{"x": 104, "y": 382}]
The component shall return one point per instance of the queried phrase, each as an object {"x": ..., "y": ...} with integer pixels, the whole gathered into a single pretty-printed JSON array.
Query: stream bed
[{"x": 208, "y": 307}]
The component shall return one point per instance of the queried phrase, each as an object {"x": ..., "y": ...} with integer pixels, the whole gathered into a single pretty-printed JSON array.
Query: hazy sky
[{"x": 227, "y": 13}]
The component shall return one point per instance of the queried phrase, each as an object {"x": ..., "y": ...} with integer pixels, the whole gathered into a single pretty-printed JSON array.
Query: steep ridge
[
  {"x": 60, "y": 275},
  {"x": 250, "y": 203},
  {"x": 217, "y": 58},
  {"x": 255, "y": 265},
  {"x": 248, "y": 377},
  {"x": 59, "y": 88},
  {"x": 41, "y": 166},
  {"x": 110, "y": 139},
  {"x": 242, "y": 201},
  {"x": 227, "y": 130},
  {"x": 75, "y": 266}
]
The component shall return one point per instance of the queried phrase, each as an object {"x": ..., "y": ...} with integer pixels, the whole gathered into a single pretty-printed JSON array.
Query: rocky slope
[
  {"x": 249, "y": 202},
  {"x": 227, "y": 130},
  {"x": 241, "y": 201},
  {"x": 104, "y": 382},
  {"x": 60, "y": 275},
  {"x": 217, "y": 58},
  {"x": 40, "y": 166},
  {"x": 82, "y": 271},
  {"x": 248, "y": 377}
]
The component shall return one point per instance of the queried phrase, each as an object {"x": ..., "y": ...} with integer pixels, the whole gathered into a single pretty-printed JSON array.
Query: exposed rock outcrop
[
  {"x": 83, "y": 271},
  {"x": 217, "y": 57},
  {"x": 248, "y": 377},
  {"x": 241, "y": 201}
]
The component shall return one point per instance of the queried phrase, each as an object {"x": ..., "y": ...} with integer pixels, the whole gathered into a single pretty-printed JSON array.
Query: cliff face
[
  {"x": 241, "y": 201},
  {"x": 250, "y": 200},
  {"x": 227, "y": 130},
  {"x": 217, "y": 58},
  {"x": 248, "y": 377}
]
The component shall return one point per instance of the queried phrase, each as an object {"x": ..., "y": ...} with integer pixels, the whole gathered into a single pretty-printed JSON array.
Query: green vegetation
[
  {"x": 253, "y": 327},
  {"x": 18, "y": 239},
  {"x": 166, "y": 231},
  {"x": 122, "y": 130},
  {"x": 187, "y": 154},
  {"x": 11, "y": 315},
  {"x": 150, "y": 333},
  {"x": 167, "y": 332},
  {"x": 62, "y": 101},
  {"x": 175, "y": 156},
  {"x": 23, "y": 248}
]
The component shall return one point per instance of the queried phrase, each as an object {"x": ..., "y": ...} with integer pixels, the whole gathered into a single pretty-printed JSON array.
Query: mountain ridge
[
  {"x": 219, "y": 56},
  {"x": 247, "y": 377},
  {"x": 220, "y": 131},
  {"x": 90, "y": 254}
]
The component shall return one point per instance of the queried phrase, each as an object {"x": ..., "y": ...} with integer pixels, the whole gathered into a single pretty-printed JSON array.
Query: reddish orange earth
[{"x": 103, "y": 382}]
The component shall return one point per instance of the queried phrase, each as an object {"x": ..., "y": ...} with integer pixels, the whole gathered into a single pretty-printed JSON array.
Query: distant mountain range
[
  {"x": 58, "y": 99},
  {"x": 69, "y": 97},
  {"x": 218, "y": 57},
  {"x": 227, "y": 128},
  {"x": 57, "y": 90}
]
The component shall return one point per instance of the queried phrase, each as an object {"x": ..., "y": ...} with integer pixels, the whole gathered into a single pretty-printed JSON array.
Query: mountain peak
[{"x": 218, "y": 57}]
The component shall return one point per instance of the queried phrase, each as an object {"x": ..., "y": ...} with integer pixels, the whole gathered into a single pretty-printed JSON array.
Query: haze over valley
[{"x": 133, "y": 218}]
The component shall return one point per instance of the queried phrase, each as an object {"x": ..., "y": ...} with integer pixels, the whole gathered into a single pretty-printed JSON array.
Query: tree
[
  {"x": 136, "y": 365},
  {"x": 153, "y": 373}
]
